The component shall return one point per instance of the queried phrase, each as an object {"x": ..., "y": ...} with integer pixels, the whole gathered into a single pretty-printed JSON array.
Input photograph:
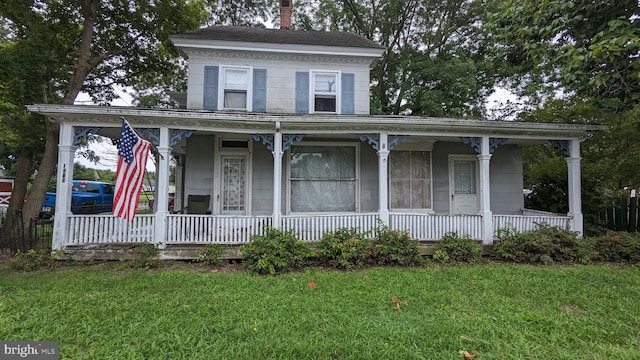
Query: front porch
[
  {"x": 313, "y": 174},
  {"x": 179, "y": 229}
]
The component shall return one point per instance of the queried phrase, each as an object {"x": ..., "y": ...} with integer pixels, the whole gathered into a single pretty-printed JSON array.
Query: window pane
[
  {"x": 325, "y": 103},
  {"x": 464, "y": 173},
  {"x": 323, "y": 162},
  {"x": 323, "y": 178},
  {"x": 409, "y": 180},
  {"x": 233, "y": 183},
  {"x": 235, "y": 99},
  {"x": 325, "y": 83},
  {"x": 323, "y": 196},
  {"x": 236, "y": 79},
  {"x": 399, "y": 194}
]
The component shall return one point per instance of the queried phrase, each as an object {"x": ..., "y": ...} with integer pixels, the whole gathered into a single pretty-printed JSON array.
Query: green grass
[{"x": 498, "y": 311}]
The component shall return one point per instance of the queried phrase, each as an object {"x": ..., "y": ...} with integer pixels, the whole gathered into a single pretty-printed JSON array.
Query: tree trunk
[
  {"x": 12, "y": 230},
  {"x": 33, "y": 205}
]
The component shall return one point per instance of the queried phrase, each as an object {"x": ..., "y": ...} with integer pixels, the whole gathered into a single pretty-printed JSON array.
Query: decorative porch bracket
[
  {"x": 151, "y": 135},
  {"x": 266, "y": 140},
  {"x": 81, "y": 133},
  {"x": 177, "y": 135},
  {"x": 287, "y": 140},
  {"x": 374, "y": 140},
  {"x": 476, "y": 143},
  {"x": 562, "y": 145},
  {"x": 394, "y": 139}
]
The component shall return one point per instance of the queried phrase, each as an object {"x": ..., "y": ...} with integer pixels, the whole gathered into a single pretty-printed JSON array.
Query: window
[
  {"x": 325, "y": 88},
  {"x": 236, "y": 86},
  {"x": 323, "y": 178},
  {"x": 410, "y": 180}
]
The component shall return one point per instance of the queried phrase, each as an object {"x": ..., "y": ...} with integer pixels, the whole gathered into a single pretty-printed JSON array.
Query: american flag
[{"x": 132, "y": 162}]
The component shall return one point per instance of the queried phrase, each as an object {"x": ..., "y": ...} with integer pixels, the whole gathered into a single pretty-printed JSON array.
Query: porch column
[
  {"x": 383, "y": 185},
  {"x": 66, "y": 153},
  {"x": 485, "y": 192},
  {"x": 574, "y": 179},
  {"x": 277, "y": 177},
  {"x": 162, "y": 189}
]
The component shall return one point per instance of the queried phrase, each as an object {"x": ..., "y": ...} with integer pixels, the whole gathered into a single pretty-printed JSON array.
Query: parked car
[
  {"x": 87, "y": 197},
  {"x": 171, "y": 199}
]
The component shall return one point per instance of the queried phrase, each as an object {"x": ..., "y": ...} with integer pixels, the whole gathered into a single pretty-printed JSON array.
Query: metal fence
[{"x": 38, "y": 236}]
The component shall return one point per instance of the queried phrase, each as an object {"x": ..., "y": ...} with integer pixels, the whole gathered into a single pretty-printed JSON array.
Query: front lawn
[{"x": 497, "y": 311}]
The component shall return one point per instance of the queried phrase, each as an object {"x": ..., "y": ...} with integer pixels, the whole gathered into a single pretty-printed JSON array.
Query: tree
[
  {"x": 91, "y": 46},
  {"x": 587, "y": 48},
  {"x": 433, "y": 64},
  {"x": 577, "y": 62}
]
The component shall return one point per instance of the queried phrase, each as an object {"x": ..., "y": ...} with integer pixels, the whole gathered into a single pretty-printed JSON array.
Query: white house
[{"x": 276, "y": 131}]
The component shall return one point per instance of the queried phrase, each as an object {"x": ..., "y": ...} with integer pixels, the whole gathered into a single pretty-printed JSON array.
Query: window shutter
[
  {"x": 210, "y": 101},
  {"x": 302, "y": 92},
  {"x": 348, "y": 94},
  {"x": 259, "y": 90}
]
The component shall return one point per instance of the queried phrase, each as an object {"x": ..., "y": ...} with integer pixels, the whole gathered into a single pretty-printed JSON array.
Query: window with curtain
[
  {"x": 236, "y": 83},
  {"x": 325, "y": 87},
  {"x": 410, "y": 180},
  {"x": 323, "y": 178}
]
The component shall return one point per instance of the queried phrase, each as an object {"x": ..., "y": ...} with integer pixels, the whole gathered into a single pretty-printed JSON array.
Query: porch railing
[
  {"x": 313, "y": 227},
  {"x": 87, "y": 229},
  {"x": 206, "y": 229},
  {"x": 521, "y": 223},
  {"x": 435, "y": 226}
]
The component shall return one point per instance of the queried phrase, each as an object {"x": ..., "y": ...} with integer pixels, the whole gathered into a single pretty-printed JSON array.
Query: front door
[
  {"x": 463, "y": 184},
  {"x": 233, "y": 184}
]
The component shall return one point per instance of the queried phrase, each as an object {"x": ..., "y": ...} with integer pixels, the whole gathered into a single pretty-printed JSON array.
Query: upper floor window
[
  {"x": 325, "y": 89},
  {"x": 235, "y": 88}
]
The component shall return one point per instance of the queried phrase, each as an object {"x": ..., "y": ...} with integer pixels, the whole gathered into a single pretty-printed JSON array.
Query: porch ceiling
[{"x": 109, "y": 119}]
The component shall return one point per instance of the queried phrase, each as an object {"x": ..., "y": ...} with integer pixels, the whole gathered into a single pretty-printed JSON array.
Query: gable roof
[{"x": 279, "y": 36}]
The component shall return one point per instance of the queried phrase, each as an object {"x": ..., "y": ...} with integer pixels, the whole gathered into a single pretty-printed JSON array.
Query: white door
[
  {"x": 233, "y": 192},
  {"x": 463, "y": 184}
]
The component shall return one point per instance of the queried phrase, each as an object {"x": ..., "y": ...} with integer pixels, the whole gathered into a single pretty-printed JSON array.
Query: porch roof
[{"x": 109, "y": 118}]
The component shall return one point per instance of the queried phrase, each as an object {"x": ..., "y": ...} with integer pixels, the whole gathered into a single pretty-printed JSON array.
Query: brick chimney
[{"x": 286, "y": 7}]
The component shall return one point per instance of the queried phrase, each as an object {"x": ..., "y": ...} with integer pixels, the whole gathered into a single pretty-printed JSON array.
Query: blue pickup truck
[{"x": 87, "y": 197}]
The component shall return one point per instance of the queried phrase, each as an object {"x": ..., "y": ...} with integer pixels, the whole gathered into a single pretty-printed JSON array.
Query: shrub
[
  {"x": 146, "y": 256},
  {"x": 275, "y": 252},
  {"x": 344, "y": 248},
  {"x": 392, "y": 247},
  {"x": 544, "y": 245},
  {"x": 211, "y": 255},
  {"x": 453, "y": 248},
  {"x": 32, "y": 260},
  {"x": 617, "y": 246}
]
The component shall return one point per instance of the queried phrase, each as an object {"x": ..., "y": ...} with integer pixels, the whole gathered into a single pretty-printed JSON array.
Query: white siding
[
  {"x": 507, "y": 181},
  {"x": 280, "y": 79},
  {"x": 262, "y": 185},
  {"x": 199, "y": 169},
  {"x": 368, "y": 179}
]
